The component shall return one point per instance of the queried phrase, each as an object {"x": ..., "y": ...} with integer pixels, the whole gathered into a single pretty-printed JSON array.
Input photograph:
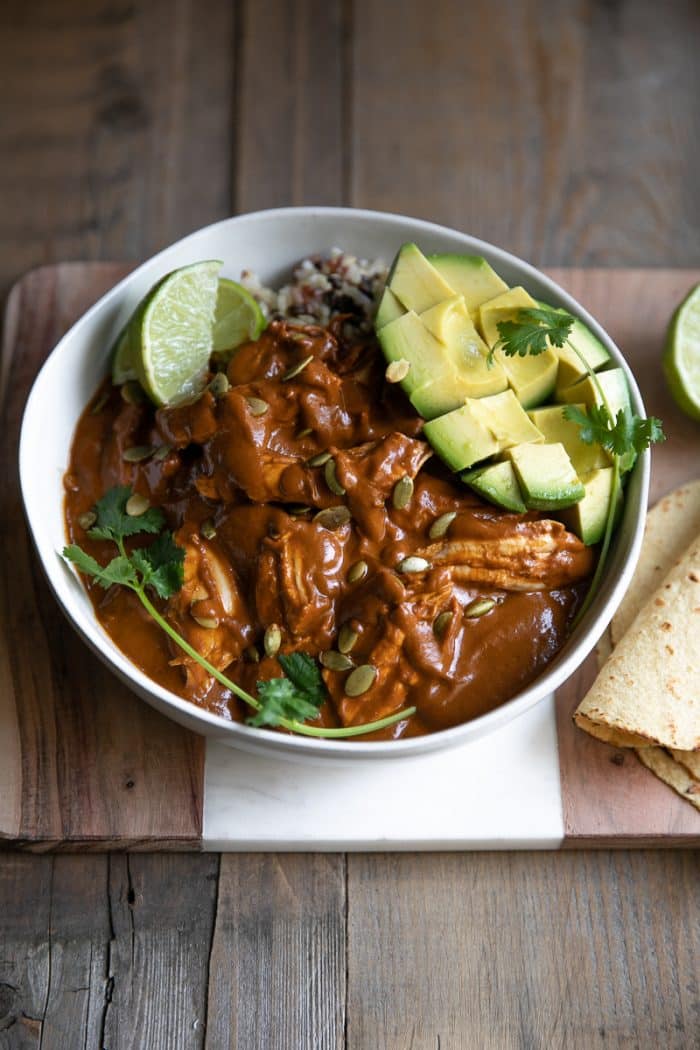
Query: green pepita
[
  {"x": 333, "y": 517},
  {"x": 220, "y": 384},
  {"x": 297, "y": 509},
  {"x": 296, "y": 369},
  {"x": 336, "y": 661},
  {"x": 257, "y": 406},
  {"x": 137, "y": 505},
  {"x": 272, "y": 639},
  {"x": 87, "y": 520},
  {"x": 442, "y": 623},
  {"x": 208, "y": 529},
  {"x": 162, "y": 452},
  {"x": 403, "y": 492},
  {"x": 319, "y": 460},
  {"x": 331, "y": 479},
  {"x": 360, "y": 680},
  {"x": 347, "y": 636},
  {"x": 397, "y": 370},
  {"x": 479, "y": 607},
  {"x": 413, "y": 564},
  {"x": 440, "y": 526},
  {"x": 251, "y": 655},
  {"x": 210, "y": 623},
  {"x": 358, "y": 571},
  {"x": 137, "y": 453}
]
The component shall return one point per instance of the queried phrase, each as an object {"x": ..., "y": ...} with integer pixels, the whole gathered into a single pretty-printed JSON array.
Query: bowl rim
[{"x": 565, "y": 662}]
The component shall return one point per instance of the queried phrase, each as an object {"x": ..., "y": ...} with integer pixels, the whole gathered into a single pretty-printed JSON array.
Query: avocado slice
[
  {"x": 415, "y": 282},
  {"x": 588, "y": 518},
  {"x": 507, "y": 420},
  {"x": 547, "y": 478},
  {"x": 460, "y": 439},
  {"x": 470, "y": 276},
  {"x": 555, "y": 427},
  {"x": 532, "y": 378},
  {"x": 389, "y": 309},
  {"x": 498, "y": 484},
  {"x": 447, "y": 319}
]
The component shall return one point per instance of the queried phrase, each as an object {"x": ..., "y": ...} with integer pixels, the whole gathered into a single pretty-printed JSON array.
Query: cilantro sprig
[
  {"x": 624, "y": 434},
  {"x": 286, "y": 702}
]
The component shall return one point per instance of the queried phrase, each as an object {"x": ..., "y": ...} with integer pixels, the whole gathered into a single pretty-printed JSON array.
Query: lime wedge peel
[
  {"x": 681, "y": 358},
  {"x": 238, "y": 318},
  {"x": 171, "y": 333}
]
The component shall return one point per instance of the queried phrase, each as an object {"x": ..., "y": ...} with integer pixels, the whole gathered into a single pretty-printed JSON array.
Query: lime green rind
[{"x": 681, "y": 358}]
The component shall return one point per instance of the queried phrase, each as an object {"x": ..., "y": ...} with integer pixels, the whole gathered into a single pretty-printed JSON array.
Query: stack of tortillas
[{"x": 647, "y": 694}]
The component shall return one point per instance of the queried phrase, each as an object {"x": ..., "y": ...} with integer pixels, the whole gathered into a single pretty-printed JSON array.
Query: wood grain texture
[
  {"x": 116, "y": 134},
  {"x": 559, "y": 130},
  {"x": 105, "y": 952},
  {"x": 84, "y": 761},
  {"x": 277, "y": 972},
  {"x": 290, "y": 104},
  {"x": 522, "y": 952},
  {"x": 602, "y": 786}
]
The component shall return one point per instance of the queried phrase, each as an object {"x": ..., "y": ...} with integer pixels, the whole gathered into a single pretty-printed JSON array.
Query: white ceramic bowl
[{"x": 270, "y": 242}]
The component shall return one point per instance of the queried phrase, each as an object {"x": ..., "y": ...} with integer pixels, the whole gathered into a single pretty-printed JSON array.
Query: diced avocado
[
  {"x": 547, "y": 478},
  {"x": 460, "y": 439},
  {"x": 555, "y": 427},
  {"x": 532, "y": 378},
  {"x": 588, "y": 518},
  {"x": 415, "y": 282},
  {"x": 571, "y": 368},
  {"x": 389, "y": 309},
  {"x": 470, "y": 276},
  {"x": 446, "y": 319},
  {"x": 498, "y": 484},
  {"x": 613, "y": 384},
  {"x": 507, "y": 420},
  {"x": 450, "y": 390},
  {"x": 407, "y": 338}
]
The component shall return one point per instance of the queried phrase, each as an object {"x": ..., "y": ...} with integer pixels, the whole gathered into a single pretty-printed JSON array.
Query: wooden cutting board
[{"x": 84, "y": 764}]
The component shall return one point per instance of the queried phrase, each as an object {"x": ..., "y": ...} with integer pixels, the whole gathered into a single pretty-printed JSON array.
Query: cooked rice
[{"x": 323, "y": 286}]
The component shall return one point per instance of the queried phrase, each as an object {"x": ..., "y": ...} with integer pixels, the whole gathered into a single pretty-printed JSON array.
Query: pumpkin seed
[
  {"x": 100, "y": 404},
  {"x": 219, "y": 384},
  {"x": 132, "y": 392},
  {"x": 272, "y": 639},
  {"x": 208, "y": 529},
  {"x": 199, "y": 594},
  {"x": 397, "y": 370},
  {"x": 137, "y": 453},
  {"x": 333, "y": 517},
  {"x": 358, "y": 571},
  {"x": 297, "y": 509},
  {"x": 296, "y": 369},
  {"x": 347, "y": 637},
  {"x": 336, "y": 661},
  {"x": 251, "y": 655},
  {"x": 403, "y": 492},
  {"x": 319, "y": 460},
  {"x": 479, "y": 607},
  {"x": 87, "y": 520},
  {"x": 305, "y": 433},
  {"x": 137, "y": 505},
  {"x": 331, "y": 479},
  {"x": 413, "y": 564},
  {"x": 360, "y": 680},
  {"x": 440, "y": 526},
  {"x": 442, "y": 623},
  {"x": 208, "y": 622},
  {"x": 162, "y": 452},
  {"x": 257, "y": 406}
]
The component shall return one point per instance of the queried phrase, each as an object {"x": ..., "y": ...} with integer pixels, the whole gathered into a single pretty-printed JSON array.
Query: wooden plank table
[{"x": 563, "y": 131}]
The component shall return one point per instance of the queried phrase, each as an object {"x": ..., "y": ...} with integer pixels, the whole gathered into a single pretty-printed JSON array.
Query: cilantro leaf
[
  {"x": 628, "y": 433},
  {"x": 119, "y": 570},
  {"x": 303, "y": 672},
  {"x": 533, "y": 331},
  {"x": 113, "y": 523},
  {"x": 161, "y": 565},
  {"x": 280, "y": 698}
]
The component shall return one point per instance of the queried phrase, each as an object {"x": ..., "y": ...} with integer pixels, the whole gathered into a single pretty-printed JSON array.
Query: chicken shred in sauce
[{"x": 335, "y": 434}]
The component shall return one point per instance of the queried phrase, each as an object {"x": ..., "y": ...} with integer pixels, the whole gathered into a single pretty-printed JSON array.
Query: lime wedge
[
  {"x": 682, "y": 355},
  {"x": 237, "y": 319},
  {"x": 122, "y": 367},
  {"x": 171, "y": 333}
]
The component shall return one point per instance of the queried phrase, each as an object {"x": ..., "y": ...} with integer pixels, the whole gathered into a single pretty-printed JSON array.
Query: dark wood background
[{"x": 568, "y": 132}]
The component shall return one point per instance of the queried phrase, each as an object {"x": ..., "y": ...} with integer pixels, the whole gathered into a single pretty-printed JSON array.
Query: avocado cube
[
  {"x": 614, "y": 386},
  {"x": 589, "y": 517},
  {"x": 532, "y": 378},
  {"x": 450, "y": 390},
  {"x": 389, "y": 309},
  {"x": 498, "y": 484},
  {"x": 571, "y": 367},
  {"x": 547, "y": 478},
  {"x": 406, "y": 338},
  {"x": 415, "y": 282},
  {"x": 555, "y": 427},
  {"x": 470, "y": 276},
  {"x": 447, "y": 318},
  {"x": 507, "y": 420},
  {"x": 460, "y": 439}
]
